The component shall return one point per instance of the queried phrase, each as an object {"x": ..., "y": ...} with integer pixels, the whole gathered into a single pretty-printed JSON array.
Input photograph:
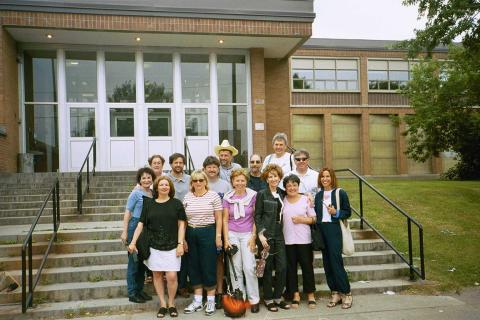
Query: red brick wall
[{"x": 9, "y": 147}]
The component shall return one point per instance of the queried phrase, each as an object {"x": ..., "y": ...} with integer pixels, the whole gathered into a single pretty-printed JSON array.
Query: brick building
[{"x": 142, "y": 77}]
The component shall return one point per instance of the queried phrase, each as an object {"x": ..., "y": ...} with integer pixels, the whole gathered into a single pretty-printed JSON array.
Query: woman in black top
[
  {"x": 269, "y": 225},
  {"x": 165, "y": 219}
]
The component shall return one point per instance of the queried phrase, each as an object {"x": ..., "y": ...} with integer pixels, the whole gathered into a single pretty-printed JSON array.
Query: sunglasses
[
  {"x": 198, "y": 180},
  {"x": 301, "y": 159},
  {"x": 255, "y": 161}
]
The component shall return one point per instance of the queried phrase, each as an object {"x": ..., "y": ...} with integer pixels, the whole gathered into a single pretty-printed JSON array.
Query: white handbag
[{"x": 348, "y": 248}]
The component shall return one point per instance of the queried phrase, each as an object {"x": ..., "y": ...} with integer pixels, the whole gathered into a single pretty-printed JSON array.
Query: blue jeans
[{"x": 135, "y": 270}]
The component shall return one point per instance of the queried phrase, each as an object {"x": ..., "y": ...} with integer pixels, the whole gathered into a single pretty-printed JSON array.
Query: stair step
[
  {"x": 63, "y": 210},
  {"x": 45, "y": 219}
]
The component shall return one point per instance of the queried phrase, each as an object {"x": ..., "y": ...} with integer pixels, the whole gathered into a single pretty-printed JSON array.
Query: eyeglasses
[
  {"x": 301, "y": 159},
  {"x": 198, "y": 180},
  {"x": 255, "y": 161}
]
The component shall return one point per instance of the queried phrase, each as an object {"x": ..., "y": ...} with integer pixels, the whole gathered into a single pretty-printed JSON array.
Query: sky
[{"x": 365, "y": 19}]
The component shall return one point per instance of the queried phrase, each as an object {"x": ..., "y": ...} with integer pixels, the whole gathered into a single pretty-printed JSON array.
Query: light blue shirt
[{"x": 135, "y": 202}]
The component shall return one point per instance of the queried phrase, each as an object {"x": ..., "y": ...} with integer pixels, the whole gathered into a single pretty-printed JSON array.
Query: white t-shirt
[
  {"x": 285, "y": 162},
  {"x": 327, "y": 200},
  {"x": 308, "y": 181}
]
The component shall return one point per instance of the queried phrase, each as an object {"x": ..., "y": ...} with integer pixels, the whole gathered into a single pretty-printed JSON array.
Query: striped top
[{"x": 201, "y": 210}]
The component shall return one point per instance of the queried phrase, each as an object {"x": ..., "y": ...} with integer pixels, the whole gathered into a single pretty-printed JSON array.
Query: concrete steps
[{"x": 86, "y": 269}]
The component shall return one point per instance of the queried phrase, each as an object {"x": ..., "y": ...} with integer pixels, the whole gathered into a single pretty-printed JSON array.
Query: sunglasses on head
[
  {"x": 197, "y": 180},
  {"x": 301, "y": 159}
]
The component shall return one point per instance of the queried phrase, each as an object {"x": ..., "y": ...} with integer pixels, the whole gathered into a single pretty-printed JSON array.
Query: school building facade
[{"x": 144, "y": 77}]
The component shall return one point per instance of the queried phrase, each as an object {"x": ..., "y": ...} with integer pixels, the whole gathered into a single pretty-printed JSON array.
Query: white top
[
  {"x": 283, "y": 161},
  {"x": 327, "y": 200},
  {"x": 308, "y": 181}
]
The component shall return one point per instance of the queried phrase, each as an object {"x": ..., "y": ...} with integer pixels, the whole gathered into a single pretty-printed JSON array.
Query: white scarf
[
  {"x": 239, "y": 204},
  {"x": 277, "y": 196}
]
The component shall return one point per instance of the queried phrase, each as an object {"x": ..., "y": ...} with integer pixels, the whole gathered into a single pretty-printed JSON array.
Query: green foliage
[
  {"x": 446, "y": 94},
  {"x": 446, "y": 19},
  {"x": 446, "y": 111}
]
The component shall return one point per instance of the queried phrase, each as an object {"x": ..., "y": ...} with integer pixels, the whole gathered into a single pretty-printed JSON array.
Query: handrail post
[
  {"x": 79, "y": 193},
  {"x": 58, "y": 202},
  {"x": 94, "y": 156},
  {"x": 54, "y": 211},
  {"x": 422, "y": 257},
  {"x": 30, "y": 271},
  {"x": 360, "y": 188},
  {"x": 88, "y": 174},
  {"x": 24, "y": 280},
  {"x": 410, "y": 251}
]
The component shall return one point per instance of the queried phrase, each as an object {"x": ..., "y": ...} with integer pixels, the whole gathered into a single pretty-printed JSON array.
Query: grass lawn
[{"x": 450, "y": 214}]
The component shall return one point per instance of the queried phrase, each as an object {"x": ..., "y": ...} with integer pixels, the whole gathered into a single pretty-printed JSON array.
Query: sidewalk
[{"x": 366, "y": 307}]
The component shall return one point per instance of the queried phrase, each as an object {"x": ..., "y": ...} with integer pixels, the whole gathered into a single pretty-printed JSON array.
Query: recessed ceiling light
[
  {"x": 220, "y": 41},
  {"x": 138, "y": 39},
  {"x": 49, "y": 36}
]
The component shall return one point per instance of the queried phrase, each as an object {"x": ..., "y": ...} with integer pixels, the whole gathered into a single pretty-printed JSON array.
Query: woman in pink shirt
[{"x": 297, "y": 216}]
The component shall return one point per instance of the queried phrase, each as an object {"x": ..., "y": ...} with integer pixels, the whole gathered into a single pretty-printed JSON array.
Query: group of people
[{"x": 195, "y": 221}]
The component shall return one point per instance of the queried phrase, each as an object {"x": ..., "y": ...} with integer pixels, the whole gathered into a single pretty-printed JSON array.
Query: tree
[{"x": 446, "y": 94}]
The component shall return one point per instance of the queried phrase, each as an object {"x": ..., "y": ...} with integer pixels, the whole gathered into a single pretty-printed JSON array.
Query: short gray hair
[
  {"x": 280, "y": 136},
  {"x": 301, "y": 151}
]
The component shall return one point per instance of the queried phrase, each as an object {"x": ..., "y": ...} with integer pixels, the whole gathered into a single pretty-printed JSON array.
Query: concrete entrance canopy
[{"x": 277, "y": 26}]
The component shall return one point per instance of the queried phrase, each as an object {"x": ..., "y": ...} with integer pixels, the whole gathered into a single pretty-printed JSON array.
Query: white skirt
[{"x": 163, "y": 260}]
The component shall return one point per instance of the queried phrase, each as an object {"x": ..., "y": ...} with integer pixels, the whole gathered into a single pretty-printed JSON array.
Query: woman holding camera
[
  {"x": 329, "y": 215},
  {"x": 239, "y": 234},
  {"x": 269, "y": 226}
]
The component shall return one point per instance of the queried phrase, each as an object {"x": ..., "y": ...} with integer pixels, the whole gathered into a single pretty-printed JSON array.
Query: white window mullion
[
  {"x": 249, "y": 106},
  {"x": 140, "y": 115},
  {"x": 213, "y": 131},
  {"x": 178, "y": 114},
  {"x": 63, "y": 150},
  {"x": 102, "y": 124}
]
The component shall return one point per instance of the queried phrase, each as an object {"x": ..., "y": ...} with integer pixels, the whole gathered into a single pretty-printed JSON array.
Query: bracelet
[
  {"x": 219, "y": 235},
  {"x": 180, "y": 243}
]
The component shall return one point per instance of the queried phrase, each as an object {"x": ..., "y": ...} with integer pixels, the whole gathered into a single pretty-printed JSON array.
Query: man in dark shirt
[{"x": 256, "y": 182}]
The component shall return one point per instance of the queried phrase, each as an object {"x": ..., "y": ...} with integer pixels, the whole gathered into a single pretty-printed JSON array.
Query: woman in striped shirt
[{"x": 204, "y": 236}]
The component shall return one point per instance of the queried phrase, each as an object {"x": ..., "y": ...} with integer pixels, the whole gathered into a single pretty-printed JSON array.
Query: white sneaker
[
  {"x": 210, "y": 308},
  {"x": 193, "y": 307}
]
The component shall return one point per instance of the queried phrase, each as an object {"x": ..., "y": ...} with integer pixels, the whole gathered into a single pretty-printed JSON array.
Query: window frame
[
  {"x": 336, "y": 80},
  {"x": 388, "y": 70}
]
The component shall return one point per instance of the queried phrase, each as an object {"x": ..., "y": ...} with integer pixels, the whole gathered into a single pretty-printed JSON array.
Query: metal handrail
[
  {"x": 27, "y": 298},
  {"x": 81, "y": 193},
  {"x": 410, "y": 220},
  {"x": 190, "y": 166}
]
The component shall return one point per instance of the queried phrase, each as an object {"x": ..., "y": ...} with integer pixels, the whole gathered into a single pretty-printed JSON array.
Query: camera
[{"x": 232, "y": 250}]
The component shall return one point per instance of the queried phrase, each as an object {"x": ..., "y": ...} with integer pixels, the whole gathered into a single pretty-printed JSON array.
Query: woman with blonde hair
[
  {"x": 204, "y": 239},
  {"x": 329, "y": 216},
  {"x": 239, "y": 230}
]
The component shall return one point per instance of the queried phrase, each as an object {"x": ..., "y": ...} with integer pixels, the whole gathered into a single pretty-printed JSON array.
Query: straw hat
[{"x": 225, "y": 146}]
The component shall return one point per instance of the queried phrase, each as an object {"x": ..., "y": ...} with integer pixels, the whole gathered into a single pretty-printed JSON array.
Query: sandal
[
  {"x": 283, "y": 305},
  {"x": 173, "y": 312},
  {"x": 335, "y": 300},
  {"x": 347, "y": 301},
  {"x": 161, "y": 312},
  {"x": 295, "y": 304},
  {"x": 271, "y": 307},
  {"x": 312, "y": 304}
]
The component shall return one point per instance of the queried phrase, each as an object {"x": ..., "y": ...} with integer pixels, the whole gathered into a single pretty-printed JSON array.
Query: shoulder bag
[
  {"x": 348, "y": 248},
  {"x": 317, "y": 238},
  {"x": 143, "y": 241}
]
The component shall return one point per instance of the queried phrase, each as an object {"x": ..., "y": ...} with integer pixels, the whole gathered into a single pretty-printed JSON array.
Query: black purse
[
  {"x": 317, "y": 238},
  {"x": 143, "y": 241}
]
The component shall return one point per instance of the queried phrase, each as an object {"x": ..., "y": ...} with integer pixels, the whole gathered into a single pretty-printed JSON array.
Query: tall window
[
  {"x": 195, "y": 78},
  {"x": 158, "y": 77},
  {"x": 388, "y": 74},
  {"x": 325, "y": 74},
  {"x": 232, "y": 104},
  {"x": 120, "y": 77},
  {"x": 81, "y": 76},
  {"x": 41, "y": 118}
]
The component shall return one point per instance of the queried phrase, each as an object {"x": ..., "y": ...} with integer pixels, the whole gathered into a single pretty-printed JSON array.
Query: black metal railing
[
  {"x": 27, "y": 297},
  {"x": 190, "y": 167},
  {"x": 409, "y": 221},
  {"x": 80, "y": 191}
]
